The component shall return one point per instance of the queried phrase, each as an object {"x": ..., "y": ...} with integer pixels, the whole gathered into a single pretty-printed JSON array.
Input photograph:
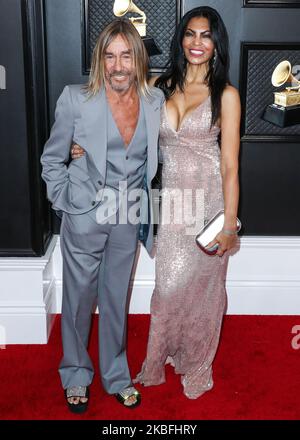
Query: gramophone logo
[
  {"x": 282, "y": 74},
  {"x": 2, "y": 78},
  {"x": 122, "y": 7},
  {"x": 285, "y": 111},
  {"x": 296, "y": 74}
]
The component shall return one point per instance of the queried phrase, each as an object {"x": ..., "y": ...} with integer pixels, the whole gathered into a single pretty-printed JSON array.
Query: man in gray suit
[{"x": 115, "y": 119}]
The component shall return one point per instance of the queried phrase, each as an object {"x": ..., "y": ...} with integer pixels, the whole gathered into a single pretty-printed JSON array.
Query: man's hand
[{"x": 77, "y": 151}]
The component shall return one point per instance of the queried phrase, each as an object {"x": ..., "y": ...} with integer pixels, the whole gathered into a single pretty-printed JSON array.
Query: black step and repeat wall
[
  {"x": 46, "y": 44},
  {"x": 25, "y": 219}
]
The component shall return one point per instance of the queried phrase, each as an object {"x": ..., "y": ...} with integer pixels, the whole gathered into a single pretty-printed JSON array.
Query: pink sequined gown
[{"x": 189, "y": 297}]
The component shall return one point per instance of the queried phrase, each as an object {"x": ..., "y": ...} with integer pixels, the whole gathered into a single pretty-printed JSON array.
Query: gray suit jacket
[{"x": 73, "y": 188}]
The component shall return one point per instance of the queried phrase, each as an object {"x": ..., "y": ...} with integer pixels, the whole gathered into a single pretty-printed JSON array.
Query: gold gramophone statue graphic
[
  {"x": 286, "y": 108},
  {"x": 122, "y": 7}
]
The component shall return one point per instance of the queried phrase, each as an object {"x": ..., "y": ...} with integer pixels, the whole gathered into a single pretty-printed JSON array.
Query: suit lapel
[
  {"x": 151, "y": 108},
  {"x": 94, "y": 116}
]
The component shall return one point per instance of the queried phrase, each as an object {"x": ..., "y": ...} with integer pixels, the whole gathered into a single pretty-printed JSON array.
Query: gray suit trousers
[{"x": 97, "y": 265}]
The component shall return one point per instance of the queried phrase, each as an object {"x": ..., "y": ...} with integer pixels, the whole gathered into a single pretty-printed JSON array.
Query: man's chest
[{"x": 126, "y": 119}]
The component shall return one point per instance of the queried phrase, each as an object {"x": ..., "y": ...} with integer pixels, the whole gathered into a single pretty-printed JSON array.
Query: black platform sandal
[
  {"x": 124, "y": 395},
  {"x": 78, "y": 391}
]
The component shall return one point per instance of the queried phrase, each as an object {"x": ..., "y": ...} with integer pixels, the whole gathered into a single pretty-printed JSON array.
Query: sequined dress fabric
[{"x": 189, "y": 297}]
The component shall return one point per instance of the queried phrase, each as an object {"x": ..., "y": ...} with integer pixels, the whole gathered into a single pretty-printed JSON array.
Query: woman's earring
[{"x": 215, "y": 58}]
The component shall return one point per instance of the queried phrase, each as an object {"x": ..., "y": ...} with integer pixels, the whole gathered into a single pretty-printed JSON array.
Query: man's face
[{"x": 118, "y": 65}]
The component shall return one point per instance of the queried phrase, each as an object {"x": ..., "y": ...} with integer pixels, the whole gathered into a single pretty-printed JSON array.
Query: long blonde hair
[{"x": 124, "y": 27}]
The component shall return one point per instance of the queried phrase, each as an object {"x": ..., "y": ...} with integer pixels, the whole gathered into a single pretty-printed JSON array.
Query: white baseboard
[
  {"x": 28, "y": 298},
  {"x": 263, "y": 279}
]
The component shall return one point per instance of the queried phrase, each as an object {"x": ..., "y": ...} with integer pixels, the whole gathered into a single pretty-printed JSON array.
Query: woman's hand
[
  {"x": 77, "y": 151},
  {"x": 224, "y": 241}
]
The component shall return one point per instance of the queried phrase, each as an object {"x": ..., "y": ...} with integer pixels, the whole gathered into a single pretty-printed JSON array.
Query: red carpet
[{"x": 256, "y": 375}]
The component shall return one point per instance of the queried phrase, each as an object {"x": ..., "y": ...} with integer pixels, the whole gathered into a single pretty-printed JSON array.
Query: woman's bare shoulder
[
  {"x": 230, "y": 95},
  {"x": 231, "y": 107}
]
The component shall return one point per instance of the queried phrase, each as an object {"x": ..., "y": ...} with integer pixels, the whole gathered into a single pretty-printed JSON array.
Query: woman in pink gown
[{"x": 199, "y": 145}]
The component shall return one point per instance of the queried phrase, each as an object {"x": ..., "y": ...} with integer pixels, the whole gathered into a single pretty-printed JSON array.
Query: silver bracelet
[{"x": 228, "y": 232}]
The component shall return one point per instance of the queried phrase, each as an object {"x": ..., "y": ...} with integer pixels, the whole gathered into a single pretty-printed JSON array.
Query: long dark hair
[{"x": 217, "y": 77}]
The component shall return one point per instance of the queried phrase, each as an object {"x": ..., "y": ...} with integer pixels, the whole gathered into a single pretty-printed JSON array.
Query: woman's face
[{"x": 197, "y": 43}]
